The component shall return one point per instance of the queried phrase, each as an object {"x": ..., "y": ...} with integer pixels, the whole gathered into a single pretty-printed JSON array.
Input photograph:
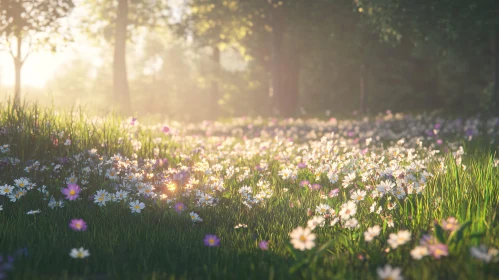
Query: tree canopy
[{"x": 37, "y": 23}]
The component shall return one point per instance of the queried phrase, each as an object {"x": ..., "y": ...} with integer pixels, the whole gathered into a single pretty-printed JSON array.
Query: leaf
[
  {"x": 439, "y": 232},
  {"x": 476, "y": 235},
  {"x": 323, "y": 248},
  {"x": 457, "y": 235},
  {"x": 292, "y": 252},
  {"x": 297, "y": 266}
]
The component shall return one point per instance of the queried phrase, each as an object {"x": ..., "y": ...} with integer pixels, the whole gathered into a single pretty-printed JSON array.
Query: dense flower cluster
[{"x": 367, "y": 165}]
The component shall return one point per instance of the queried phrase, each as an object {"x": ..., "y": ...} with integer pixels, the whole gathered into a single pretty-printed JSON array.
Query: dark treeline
[{"x": 302, "y": 57}]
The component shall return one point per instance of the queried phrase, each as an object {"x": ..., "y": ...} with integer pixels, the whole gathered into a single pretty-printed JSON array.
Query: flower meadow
[{"x": 392, "y": 196}]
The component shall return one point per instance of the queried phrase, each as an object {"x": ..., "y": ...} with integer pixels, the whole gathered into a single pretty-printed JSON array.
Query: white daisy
[
  {"x": 352, "y": 223},
  {"x": 399, "y": 238},
  {"x": 195, "y": 217},
  {"x": 21, "y": 182},
  {"x": 33, "y": 212},
  {"x": 137, "y": 206},
  {"x": 6, "y": 190},
  {"x": 315, "y": 221},
  {"x": 121, "y": 195},
  {"x": 389, "y": 273},
  {"x": 240, "y": 226},
  {"x": 302, "y": 238},
  {"x": 322, "y": 209},
  {"x": 385, "y": 186},
  {"x": 79, "y": 253},
  {"x": 371, "y": 233},
  {"x": 419, "y": 252},
  {"x": 358, "y": 195},
  {"x": 482, "y": 253},
  {"x": 348, "y": 210}
]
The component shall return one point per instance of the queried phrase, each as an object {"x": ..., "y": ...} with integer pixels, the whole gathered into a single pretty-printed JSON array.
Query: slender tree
[
  {"x": 29, "y": 25},
  {"x": 117, "y": 22},
  {"x": 120, "y": 78}
]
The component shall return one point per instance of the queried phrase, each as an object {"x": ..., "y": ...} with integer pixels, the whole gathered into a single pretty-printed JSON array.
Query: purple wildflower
[
  {"x": 264, "y": 245},
  {"x": 63, "y": 160},
  {"x": 470, "y": 132},
  {"x": 304, "y": 183},
  {"x": 451, "y": 224},
  {"x": 315, "y": 187},
  {"x": 334, "y": 193},
  {"x": 435, "y": 248},
  {"x": 438, "y": 250},
  {"x": 72, "y": 192},
  {"x": 211, "y": 240},
  {"x": 427, "y": 240},
  {"x": 78, "y": 225},
  {"x": 179, "y": 207}
]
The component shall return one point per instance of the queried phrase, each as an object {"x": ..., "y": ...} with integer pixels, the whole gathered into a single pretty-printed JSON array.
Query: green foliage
[
  {"x": 37, "y": 21},
  {"x": 99, "y": 22}
]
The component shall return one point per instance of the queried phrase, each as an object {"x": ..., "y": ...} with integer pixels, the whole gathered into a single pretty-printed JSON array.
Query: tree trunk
[
  {"x": 362, "y": 87},
  {"x": 214, "y": 92},
  {"x": 17, "y": 91},
  {"x": 275, "y": 91},
  {"x": 285, "y": 72},
  {"x": 290, "y": 87},
  {"x": 18, "y": 64},
  {"x": 495, "y": 96},
  {"x": 367, "y": 41},
  {"x": 120, "y": 79}
]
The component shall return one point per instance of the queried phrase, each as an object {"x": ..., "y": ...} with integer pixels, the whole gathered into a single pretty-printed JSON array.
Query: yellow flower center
[
  {"x": 303, "y": 238},
  {"x": 137, "y": 206},
  {"x": 72, "y": 192}
]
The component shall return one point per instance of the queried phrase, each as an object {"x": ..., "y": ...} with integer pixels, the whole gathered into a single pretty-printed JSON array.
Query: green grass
[{"x": 159, "y": 243}]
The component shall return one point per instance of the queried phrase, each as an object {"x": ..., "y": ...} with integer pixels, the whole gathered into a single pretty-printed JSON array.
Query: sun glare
[
  {"x": 171, "y": 187},
  {"x": 37, "y": 70}
]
